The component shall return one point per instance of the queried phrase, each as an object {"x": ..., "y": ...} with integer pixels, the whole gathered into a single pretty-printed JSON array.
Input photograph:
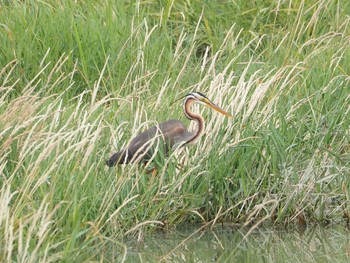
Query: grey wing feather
[{"x": 170, "y": 132}]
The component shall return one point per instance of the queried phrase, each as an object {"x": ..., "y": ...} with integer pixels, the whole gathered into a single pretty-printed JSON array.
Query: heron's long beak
[{"x": 217, "y": 108}]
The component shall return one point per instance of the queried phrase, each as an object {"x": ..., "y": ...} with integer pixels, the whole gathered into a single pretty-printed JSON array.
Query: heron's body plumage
[{"x": 166, "y": 135}]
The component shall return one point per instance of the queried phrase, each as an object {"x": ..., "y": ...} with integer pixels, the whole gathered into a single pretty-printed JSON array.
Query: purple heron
[{"x": 171, "y": 133}]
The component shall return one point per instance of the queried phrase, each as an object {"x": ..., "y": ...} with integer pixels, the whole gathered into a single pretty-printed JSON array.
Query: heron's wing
[
  {"x": 165, "y": 134},
  {"x": 135, "y": 149},
  {"x": 175, "y": 132},
  {"x": 161, "y": 138}
]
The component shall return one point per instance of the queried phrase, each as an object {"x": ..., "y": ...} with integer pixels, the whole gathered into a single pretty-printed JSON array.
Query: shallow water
[{"x": 226, "y": 244}]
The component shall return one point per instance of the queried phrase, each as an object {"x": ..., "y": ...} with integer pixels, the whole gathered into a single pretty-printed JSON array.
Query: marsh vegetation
[{"x": 79, "y": 79}]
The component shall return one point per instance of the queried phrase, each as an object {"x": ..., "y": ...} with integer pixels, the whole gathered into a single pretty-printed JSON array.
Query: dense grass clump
[{"x": 79, "y": 79}]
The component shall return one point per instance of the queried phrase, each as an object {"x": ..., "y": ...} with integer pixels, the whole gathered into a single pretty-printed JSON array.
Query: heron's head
[{"x": 202, "y": 99}]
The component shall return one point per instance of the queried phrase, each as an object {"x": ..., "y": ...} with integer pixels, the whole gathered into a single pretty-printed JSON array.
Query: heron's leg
[
  {"x": 148, "y": 168},
  {"x": 152, "y": 171}
]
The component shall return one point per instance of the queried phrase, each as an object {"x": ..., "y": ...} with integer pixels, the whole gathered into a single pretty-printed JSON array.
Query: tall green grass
[{"x": 80, "y": 80}]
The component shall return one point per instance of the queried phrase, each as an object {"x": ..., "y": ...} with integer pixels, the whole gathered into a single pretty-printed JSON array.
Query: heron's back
[{"x": 159, "y": 137}]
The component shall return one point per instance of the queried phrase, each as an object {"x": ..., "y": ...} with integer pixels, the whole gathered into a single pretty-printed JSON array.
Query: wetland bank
[
  {"x": 78, "y": 80},
  {"x": 232, "y": 244}
]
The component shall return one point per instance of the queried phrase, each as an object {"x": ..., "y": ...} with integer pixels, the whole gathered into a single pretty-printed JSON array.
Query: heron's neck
[{"x": 196, "y": 117}]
